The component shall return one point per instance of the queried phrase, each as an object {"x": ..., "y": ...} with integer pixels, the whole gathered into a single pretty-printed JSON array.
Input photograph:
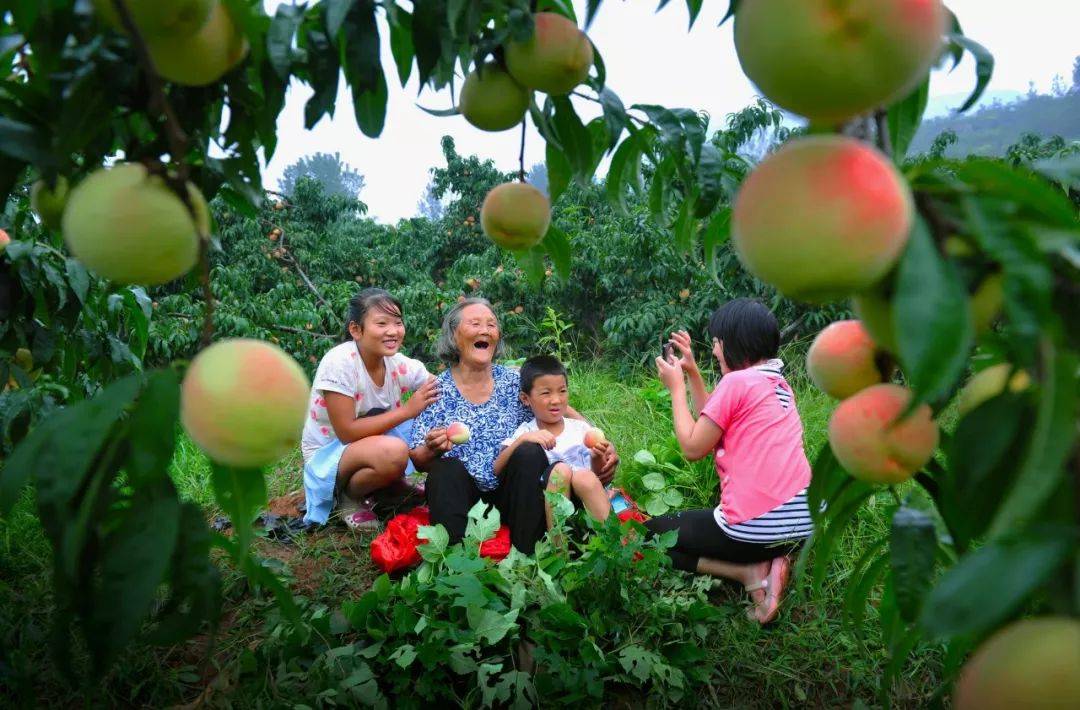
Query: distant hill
[
  {"x": 947, "y": 104},
  {"x": 991, "y": 129}
]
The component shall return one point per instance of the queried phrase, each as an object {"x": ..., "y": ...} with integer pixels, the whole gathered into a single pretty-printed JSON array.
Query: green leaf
[
  {"x": 153, "y": 428},
  {"x": 694, "y": 8},
  {"x": 370, "y": 108},
  {"x": 401, "y": 41},
  {"x": 615, "y": 117},
  {"x": 557, "y": 246},
  {"x": 323, "y": 70},
  {"x": 673, "y": 497},
  {"x": 865, "y": 575},
  {"x": 436, "y": 541},
  {"x": 360, "y": 50},
  {"x": 644, "y": 457},
  {"x": 627, "y": 157},
  {"x": 710, "y": 180},
  {"x": 428, "y": 27},
  {"x": 672, "y": 131},
  {"x": 574, "y": 138},
  {"x": 336, "y": 10},
  {"x": 653, "y": 481},
  {"x": 1043, "y": 200},
  {"x": 1043, "y": 466},
  {"x": 62, "y": 448},
  {"x": 912, "y": 550},
  {"x": 984, "y": 67},
  {"x": 483, "y": 522},
  {"x": 932, "y": 317},
  {"x": 490, "y": 626},
  {"x": 683, "y": 226},
  {"x": 655, "y": 505},
  {"x": 558, "y": 170},
  {"x": 25, "y": 142},
  {"x": 716, "y": 234},
  {"x": 531, "y": 262},
  {"x": 982, "y": 455},
  {"x": 904, "y": 118},
  {"x": 989, "y": 584},
  {"x": 134, "y": 560},
  {"x": 279, "y": 38},
  {"x": 240, "y": 492}
]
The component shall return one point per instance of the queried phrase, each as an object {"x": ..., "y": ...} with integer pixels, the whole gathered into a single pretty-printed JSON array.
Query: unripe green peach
[
  {"x": 515, "y": 215},
  {"x": 159, "y": 17},
  {"x": 49, "y": 203},
  {"x": 822, "y": 218},
  {"x": 986, "y": 302},
  {"x": 989, "y": 383},
  {"x": 843, "y": 359},
  {"x": 243, "y": 402},
  {"x": 491, "y": 100},
  {"x": 830, "y": 61},
  {"x": 203, "y": 57},
  {"x": 1032, "y": 663},
  {"x": 555, "y": 59},
  {"x": 128, "y": 226},
  {"x": 872, "y": 445}
]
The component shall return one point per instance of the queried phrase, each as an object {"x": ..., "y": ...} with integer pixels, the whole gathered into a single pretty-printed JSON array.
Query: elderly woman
[{"x": 485, "y": 397}]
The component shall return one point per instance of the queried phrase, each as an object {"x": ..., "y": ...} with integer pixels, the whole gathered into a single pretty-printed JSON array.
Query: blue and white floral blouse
[{"x": 490, "y": 422}]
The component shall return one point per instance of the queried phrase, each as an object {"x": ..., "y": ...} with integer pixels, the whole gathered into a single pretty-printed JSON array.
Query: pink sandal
[{"x": 775, "y": 586}]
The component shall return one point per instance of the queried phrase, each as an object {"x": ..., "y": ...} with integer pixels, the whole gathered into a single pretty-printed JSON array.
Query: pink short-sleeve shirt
[{"x": 760, "y": 459}]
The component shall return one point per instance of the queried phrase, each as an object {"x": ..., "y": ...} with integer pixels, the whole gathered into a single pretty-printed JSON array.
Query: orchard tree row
[{"x": 131, "y": 114}]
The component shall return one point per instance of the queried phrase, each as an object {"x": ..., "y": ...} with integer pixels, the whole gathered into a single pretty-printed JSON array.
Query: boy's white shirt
[{"x": 569, "y": 445}]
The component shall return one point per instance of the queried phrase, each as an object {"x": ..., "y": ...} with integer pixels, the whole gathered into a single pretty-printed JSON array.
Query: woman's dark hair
[
  {"x": 367, "y": 300},
  {"x": 538, "y": 366},
  {"x": 748, "y": 330}
]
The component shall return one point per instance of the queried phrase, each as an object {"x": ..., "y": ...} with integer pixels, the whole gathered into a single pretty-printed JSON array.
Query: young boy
[{"x": 574, "y": 466}]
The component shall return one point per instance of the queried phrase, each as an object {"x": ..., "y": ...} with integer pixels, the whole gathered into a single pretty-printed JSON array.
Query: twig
[
  {"x": 178, "y": 144},
  {"x": 295, "y": 263},
  {"x": 521, "y": 154},
  {"x": 881, "y": 122},
  {"x": 792, "y": 328}
]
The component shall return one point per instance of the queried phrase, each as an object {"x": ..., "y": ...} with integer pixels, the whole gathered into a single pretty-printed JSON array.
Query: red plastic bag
[
  {"x": 498, "y": 546},
  {"x": 632, "y": 514},
  {"x": 396, "y": 547}
]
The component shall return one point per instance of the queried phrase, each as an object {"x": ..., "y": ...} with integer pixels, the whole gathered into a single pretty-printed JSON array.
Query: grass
[{"x": 807, "y": 658}]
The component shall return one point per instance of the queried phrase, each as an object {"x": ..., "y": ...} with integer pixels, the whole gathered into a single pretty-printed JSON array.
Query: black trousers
[
  {"x": 700, "y": 536},
  {"x": 452, "y": 492}
]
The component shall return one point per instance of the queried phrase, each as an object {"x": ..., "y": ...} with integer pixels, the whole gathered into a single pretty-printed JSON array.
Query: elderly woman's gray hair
[{"x": 446, "y": 348}]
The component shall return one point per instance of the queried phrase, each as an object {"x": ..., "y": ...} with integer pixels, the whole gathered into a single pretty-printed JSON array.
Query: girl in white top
[{"x": 353, "y": 442}]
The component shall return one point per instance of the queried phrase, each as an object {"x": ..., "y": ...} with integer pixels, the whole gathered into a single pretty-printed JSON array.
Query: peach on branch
[
  {"x": 843, "y": 360},
  {"x": 555, "y": 59},
  {"x": 49, "y": 202},
  {"x": 831, "y": 61},
  {"x": 594, "y": 437},
  {"x": 822, "y": 218},
  {"x": 243, "y": 402},
  {"x": 4, "y": 240},
  {"x": 1031, "y": 663},
  {"x": 458, "y": 433},
  {"x": 873, "y": 443},
  {"x": 129, "y": 226},
  {"x": 155, "y": 18},
  {"x": 515, "y": 215},
  {"x": 491, "y": 100},
  {"x": 989, "y": 383},
  {"x": 203, "y": 57}
]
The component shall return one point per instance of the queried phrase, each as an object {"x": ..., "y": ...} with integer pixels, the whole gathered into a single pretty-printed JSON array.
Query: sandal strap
[{"x": 763, "y": 584}]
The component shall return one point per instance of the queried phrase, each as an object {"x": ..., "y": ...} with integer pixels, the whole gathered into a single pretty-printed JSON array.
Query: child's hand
[
  {"x": 540, "y": 436},
  {"x": 670, "y": 374},
  {"x": 422, "y": 397},
  {"x": 681, "y": 340},
  {"x": 601, "y": 450},
  {"x": 605, "y": 466}
]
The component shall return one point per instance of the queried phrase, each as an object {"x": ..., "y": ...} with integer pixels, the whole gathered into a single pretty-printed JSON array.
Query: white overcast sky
[{"x": 650, "y": 58}]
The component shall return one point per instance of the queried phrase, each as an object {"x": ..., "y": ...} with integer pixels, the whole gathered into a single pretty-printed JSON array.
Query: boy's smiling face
[{"x": 547, "y": 398}]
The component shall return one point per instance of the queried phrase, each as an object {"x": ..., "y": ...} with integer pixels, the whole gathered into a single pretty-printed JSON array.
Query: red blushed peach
[
  {"x": 515, "y": 215},
  {"x": 244, "y": 401},
  {"x": 844, "y": 359},
  {"x": 4, "y": 240},
  {"x": 872, "y": 444},
  {"x": 593, "y": 438},
  {"x": 1032, "y": 663},
  {"x": 554, "y": 60},
  {"x": 822, "y": 218},
  {"x": 458, "y": 433},
  {"x": 829, "y": 60}
]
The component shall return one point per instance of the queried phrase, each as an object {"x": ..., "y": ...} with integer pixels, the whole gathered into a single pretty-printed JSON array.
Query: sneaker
[{"x": 358, "y": 515}]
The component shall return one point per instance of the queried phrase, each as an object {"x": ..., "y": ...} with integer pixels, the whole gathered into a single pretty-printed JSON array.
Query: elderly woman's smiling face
[{"x": 477, "y": 334}]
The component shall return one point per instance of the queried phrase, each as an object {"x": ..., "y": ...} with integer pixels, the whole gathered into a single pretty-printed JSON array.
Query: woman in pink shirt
[{"x": 752, "y": 427}]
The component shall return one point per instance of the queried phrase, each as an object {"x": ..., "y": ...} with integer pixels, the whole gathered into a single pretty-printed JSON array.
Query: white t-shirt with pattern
[
  {"x": 569, "y": 445},
  {"x": 342, "y": 371}
]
